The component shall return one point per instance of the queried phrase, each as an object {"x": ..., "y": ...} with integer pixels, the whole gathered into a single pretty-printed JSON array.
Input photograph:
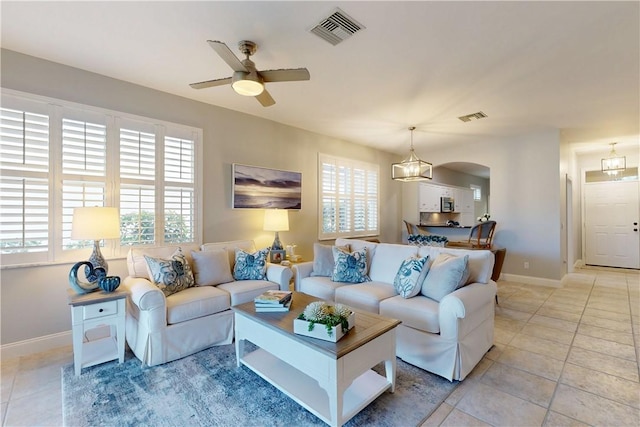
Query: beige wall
[
  {"x": 525, "y": 195},
  {"x": 34, "y": 299}
]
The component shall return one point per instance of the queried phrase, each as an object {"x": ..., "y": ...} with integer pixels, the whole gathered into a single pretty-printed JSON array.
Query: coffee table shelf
[
  {"x": 334, "y": 381},
  {"x": 305, "y": 390}
]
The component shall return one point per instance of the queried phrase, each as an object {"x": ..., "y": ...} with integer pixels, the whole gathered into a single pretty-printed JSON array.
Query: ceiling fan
[{"x": 246, "y": 80}]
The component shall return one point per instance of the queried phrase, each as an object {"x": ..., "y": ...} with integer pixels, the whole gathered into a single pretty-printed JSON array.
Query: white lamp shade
[
  {"x": 276, "y": 220},
  {"x": 95, "y": 223}
]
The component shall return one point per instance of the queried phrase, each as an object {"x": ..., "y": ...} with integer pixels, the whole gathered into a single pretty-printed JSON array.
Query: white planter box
[{"x": 301, "y": 327}]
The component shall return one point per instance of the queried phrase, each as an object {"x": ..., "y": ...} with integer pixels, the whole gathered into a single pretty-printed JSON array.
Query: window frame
[
  {"x": 364, "y": 197},
  {"x": 477, "y": 192},
  {"x": 57, "y": 110}
]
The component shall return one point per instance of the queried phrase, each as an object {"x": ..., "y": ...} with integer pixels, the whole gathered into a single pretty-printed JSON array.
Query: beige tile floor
[{"x": 562, "y": 357}]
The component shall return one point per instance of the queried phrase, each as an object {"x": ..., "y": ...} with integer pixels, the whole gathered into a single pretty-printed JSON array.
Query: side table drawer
[{"x": 102, "y": 309}]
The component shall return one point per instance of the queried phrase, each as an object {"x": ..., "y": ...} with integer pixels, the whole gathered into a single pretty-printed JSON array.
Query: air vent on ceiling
[
  {"x": 475, "y": 116},
  {"x": 337, "y": 27}
]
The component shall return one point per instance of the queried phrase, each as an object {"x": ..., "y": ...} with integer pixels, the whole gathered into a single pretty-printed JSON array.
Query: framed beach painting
[{"x": 262, "y": 188}]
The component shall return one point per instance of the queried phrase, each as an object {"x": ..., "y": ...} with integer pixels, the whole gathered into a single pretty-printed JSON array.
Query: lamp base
[
  {"x": 277, "y": 244},
  {"x": 97, "y": 261}
]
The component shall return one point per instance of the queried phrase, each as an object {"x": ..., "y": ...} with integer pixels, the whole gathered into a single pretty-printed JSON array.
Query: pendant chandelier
[
  {"x": 411, "y": 168},
  {"x": 613, "y": 164}
]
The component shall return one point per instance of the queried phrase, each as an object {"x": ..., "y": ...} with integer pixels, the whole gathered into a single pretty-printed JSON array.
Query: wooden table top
[{"x": 368, "y": 325}]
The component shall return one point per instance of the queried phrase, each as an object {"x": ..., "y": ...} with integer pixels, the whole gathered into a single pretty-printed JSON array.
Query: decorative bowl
[{"x": 109, "y": 283}]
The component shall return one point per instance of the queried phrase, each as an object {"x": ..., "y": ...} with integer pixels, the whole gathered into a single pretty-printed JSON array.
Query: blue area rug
[{"x": 207, "y": 389}]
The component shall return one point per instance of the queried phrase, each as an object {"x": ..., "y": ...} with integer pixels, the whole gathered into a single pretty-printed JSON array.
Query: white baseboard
[
  {"x": 529, "y": 280},
  {"x": 35, "y": 345}
]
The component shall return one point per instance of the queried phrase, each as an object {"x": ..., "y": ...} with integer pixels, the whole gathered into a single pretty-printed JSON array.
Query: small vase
[{"x": 109, "y": 283}]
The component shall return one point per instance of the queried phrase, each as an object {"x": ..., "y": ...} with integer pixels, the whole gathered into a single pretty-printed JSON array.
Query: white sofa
[
  {"x": 447, "y": 338},
  {"x": 160, "y": 329}
]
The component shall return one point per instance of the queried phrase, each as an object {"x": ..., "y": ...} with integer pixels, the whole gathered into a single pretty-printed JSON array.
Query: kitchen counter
[
  {"x": 459, "y": 233},
  {"x": 443, "y": 226}
]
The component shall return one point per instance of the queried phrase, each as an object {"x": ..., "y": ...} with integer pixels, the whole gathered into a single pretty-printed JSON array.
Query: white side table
[{"x": 92, "y": 310}]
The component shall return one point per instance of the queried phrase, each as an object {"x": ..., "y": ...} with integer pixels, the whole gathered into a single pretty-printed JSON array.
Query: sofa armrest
[
  {"x": 148, "y": 299},
  {"x": 279, "y": 274},
  {"x": 464, "y": 309},
  {"x": 300, "y": 271}
]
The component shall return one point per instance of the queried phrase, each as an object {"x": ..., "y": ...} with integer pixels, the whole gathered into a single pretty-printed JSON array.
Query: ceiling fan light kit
[
  {"x": 247, "y": 84},
  {"x": 246, "y": 79},
  {"x": 613, "y": 164},
  {"x": 412, "y": 168}
]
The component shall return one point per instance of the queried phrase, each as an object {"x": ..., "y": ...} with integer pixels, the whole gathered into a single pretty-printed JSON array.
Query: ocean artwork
[{"x": 262, "y": 188}]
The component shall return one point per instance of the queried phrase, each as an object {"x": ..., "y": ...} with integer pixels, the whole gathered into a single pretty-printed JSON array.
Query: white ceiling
[{"x": 529, "y": 66}]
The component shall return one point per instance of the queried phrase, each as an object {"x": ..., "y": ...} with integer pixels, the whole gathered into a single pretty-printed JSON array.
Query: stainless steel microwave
[{"x": 446, "y": 204}]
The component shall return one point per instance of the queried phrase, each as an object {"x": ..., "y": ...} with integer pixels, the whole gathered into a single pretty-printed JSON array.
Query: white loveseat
[
  {"x": 160, "y": 329},
  {"x": 448, "y": 337}
]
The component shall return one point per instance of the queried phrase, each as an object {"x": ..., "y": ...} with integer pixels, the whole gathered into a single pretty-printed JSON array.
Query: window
[
  {"x": 56, "y": 156},
  {"x": 348, "y": 198},
  {"x": 477, "y": 192}
]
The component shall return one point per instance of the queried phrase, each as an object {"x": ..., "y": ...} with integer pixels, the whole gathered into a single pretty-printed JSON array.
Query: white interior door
[{"x": 611, "y": 224}]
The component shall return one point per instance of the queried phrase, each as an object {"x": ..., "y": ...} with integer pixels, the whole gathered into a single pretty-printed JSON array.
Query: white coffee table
[{"x": 334, "y": 381}]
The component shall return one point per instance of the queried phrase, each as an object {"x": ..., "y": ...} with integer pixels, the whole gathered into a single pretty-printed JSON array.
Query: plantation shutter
[
  {"x": 179, "y": 191},
  {"x": 84, "y": 162},
  {"x": 24, "y": 180},
  {"x": 137, "y": 188},
  {"x": 348, "y": 198}
]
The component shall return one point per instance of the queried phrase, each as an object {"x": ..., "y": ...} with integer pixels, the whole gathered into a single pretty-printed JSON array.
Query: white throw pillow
[
  {"x": 410, "y": 275},
  {"x": 446, "y": 274},
  {"x": 211, "y": 267}
]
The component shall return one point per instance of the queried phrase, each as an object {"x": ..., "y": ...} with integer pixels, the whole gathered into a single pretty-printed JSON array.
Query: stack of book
[{"x": 273, "y": 301}]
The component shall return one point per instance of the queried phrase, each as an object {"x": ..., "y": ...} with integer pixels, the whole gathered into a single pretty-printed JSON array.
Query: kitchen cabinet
[
  {"x": 463, "y": 200},
  {"x": 429, "y": 198}
]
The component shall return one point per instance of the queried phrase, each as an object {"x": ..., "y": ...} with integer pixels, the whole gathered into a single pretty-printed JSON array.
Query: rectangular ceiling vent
[
  {"x": 475, "y": 116},
  {"x": 337, "y": 27}
]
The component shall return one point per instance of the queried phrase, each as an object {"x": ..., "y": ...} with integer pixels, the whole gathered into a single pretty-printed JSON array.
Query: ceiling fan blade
[
  {"x": 287, "y": 75},
  {"x": 265, "y": 99},
  {"x": 211, "y": 83},
  {"x": 227, "y": 56}
]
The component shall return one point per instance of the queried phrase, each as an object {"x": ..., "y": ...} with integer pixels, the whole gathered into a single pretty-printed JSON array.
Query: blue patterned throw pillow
[
  {"x": 251, "y": 266},
  {"x": 411, "y": 274},
  {"x": 170, "y": 275},
  {"x": 350, "y": 267}
]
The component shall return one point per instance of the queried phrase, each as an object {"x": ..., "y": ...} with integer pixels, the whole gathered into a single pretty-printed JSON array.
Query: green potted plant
[{"x": 336, "y": 320}]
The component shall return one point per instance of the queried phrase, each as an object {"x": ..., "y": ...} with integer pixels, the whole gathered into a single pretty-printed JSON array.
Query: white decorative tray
[{"x": 301, "y": 327}]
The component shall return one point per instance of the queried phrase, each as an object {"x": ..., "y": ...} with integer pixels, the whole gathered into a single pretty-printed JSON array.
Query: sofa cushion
[
  {"x": 251, "y": 266},
  {"x": 387, "y": 261},
  {"x": 480, "y": 261},
  {"x": 137, "y": 265},
  {"x": 419, "y": 312},
  {"x": 446, "y": 274},
  {"x": 356, "y": 245},
  {"x": 246, "y": 290},
  {"x": 196, "y": 302},
  {"x": 323, "y": 262},
  {"x": 364, "y": 296},
  {"x": 410, "y": 275},
  {"x": 320, "y": 287},
  {"x": 211, "y": 267},
  {"x": 230, "y": 248},
  {"x": 350, "y": 267},
  {"x": 170, "y": 275}
]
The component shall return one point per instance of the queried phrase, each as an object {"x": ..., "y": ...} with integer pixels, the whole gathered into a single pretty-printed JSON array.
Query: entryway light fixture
[
  {"x": 613, "y": 164},
  {"x": 411, "y": 168}
]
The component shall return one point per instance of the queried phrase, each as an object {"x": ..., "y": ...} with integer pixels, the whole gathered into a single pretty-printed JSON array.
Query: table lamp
[
  {"x": 95, "y": 223},
  {"x": 276, "y": 220}
]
